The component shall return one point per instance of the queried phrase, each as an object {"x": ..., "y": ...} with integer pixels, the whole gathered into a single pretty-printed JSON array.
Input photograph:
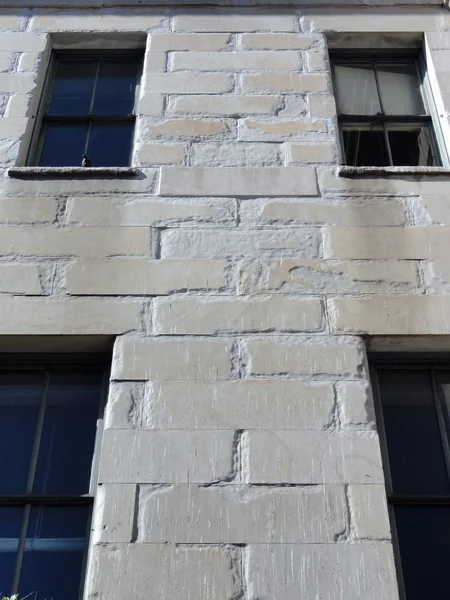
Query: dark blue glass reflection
[
  {"x": 64, "y": 144},
  {"x": 110, "y": 144},
  {"x": 73, "y": 88},
  {"x": 115, "y": 89},
  {"x": 10, "y": 526},
  {"x": 54, "y": 549}
]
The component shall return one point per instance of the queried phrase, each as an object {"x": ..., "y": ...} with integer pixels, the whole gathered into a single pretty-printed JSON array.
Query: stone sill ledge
[
  {"x": 359, "y": 172},
  {"x": 72, "y": 172}
]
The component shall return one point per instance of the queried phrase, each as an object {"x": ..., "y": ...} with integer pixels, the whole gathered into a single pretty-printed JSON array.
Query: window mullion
[
  {"x": 388, "y": 146},
  {"x": 21, "y": 549},
  {"x": 441, "y": 420},
  {"x": 38, "y": 435}
]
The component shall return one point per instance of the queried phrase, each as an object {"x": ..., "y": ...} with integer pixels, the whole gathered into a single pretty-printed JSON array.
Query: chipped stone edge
[
  {"x": 346, "y": 171},
  {"x": 72, "y": 172}
]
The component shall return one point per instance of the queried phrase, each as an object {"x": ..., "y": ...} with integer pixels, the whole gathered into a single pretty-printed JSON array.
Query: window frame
[
  {"x": 48, "y": 363},
  {"x": 426, "y": 362},
  {"x": 429, "y": 120},
  {"x": 88, "y": 56}
]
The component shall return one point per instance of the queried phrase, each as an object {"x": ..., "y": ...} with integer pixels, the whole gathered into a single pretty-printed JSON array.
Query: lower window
[
  {"x": 49, "y": 413},
  {"x": 413, "y": 408}
]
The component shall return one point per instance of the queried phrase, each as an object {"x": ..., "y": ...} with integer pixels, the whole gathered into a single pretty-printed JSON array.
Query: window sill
[
  {"x": 355, "y": 172},
  {"x": 72, "y": 172}
]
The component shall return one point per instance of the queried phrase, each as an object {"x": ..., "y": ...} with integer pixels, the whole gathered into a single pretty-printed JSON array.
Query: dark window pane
[
  {"x": 68, "y": 435},
  {"x": 410, "y": 145},
  {"x": 116, "y": 88},
  {"x": 72, "y": 88},
  {"x": 416, "y": 456},
  {"x": 20, "y": 397},
  {"x": 10, "y": 526},
  {"x": 110, "y": 144},
  {"x": 424, "y": 540},
  {"x": 63, "y": 145},
  {"x": 356, "y": 89},
  {"x": 53, "y": 556},
  {"x": 400, "y": 91},
  {"x": 365, "y": 147}
]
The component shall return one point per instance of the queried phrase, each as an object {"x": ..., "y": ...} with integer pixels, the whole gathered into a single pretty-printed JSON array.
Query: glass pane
[
  {"x": 110, "y": 144},
  {"x": 400, "y": 93},
  {"x": 365, "y": 147},
  {"x": 424, "y": 540},
  {"x": 53, "y": 556},
  {"x": 410, "y": 145},
  {"x": 116, "y": 88},
  {"x": 20, "y": 397},
  {"x": 63, "y": 145},
  {"x": 72, "y": 88},
  {"x": 68, "y": 435},
  {"x": 10, "y": 526},
  {"x": 416, "y": 455},
  {"x": 356, "y": 90}
]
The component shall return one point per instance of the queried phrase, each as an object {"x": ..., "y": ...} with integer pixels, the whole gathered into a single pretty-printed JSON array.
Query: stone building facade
[{"x": 237, "y": 277}]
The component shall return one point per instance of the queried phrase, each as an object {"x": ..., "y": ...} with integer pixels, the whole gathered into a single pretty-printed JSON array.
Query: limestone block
[
  {"x": 204, "y": 315},
  {"x": 242, "y": 404},
  {"x": 86, "y": 242},
  {"x": 245, "y": 20},
  {"x": 235, "y": 155},
  {"x": 128, "y": 405},
  {"x": 235, "y": 61},
  {"x": 240, "y": 514},
  {"x": 113, "y": 515},
  {"x": 11, "y": 20},
  {"x": 276, "y": 41},
  {"x": 154, "y": 61},
  {"x": 387, "y": 243},
  {"x": 289, "y": 276},
  {"x": 285, "y": 82},
  {"x": 356, "y": 410},
  {"x": 107, "y": 211},
  {"x": 12, "y": 41},
  {"x": 6, "y": 61},
  {"x": 348, "y": 212},
  {"x": 253, "y": 130},
  {"x": 130, "y": 456},
  {"x": 160, "y": 154},
  {"x": 369, "y": 513},
  {"x": 150, "y": 105},
  {"x": 27, "y": 210},
  {"x": 394, "y": 315},
  {"x": 230, "y": 105},
  {"x": 174, "y": 358},
  {"x": 305, "y": 457},
  {"x": 438, "y": 272},
  {"x": 437, "y": 208},
  {"x": 197, "y": 42},
  {"x": 279, "y": 357},
  {"x": 321, "y": 106},
  {"x": 19, "y": 105},
  {"x": 11, "y": 127},
  {"x": 156, "y": 571},
  {"x": 316, "y": 60},
  {"x": 301, "y": 242},
  {"x": 188, "y": 83},
  {"x": 21, "y": 278},
  {"x": 143, "y": 276},
  {"x": 311, "y": 153},
  {"x": 180, "y": 128},
  {"x": 389, "y": 19},
  {"x": 102, "y": 21},
  {"x": 66, "y": 316},
  {"x": 29, "y": 61},
  {"x": 331, "y": 571},
  {"x": 276, "y": 181}
]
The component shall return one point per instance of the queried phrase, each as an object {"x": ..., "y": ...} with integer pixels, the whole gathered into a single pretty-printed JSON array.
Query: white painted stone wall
[{"x": 238, "y": 273}]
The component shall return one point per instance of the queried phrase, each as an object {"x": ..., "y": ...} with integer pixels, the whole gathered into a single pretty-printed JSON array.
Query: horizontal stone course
[
  {"x": 224, "y": 104},
  {"x": 21, "y": 278},
  {"x": 369, "y": 516},
  {"x": 188, "y": 83},
  {"x": 238, "y": 154},
  {"x": 113, "y": 519},
  {"x": 235, "y": 61},
  {"x": 27, "y": 210},
  {"x": 246, "y": 20},
  {"x": 189, "y": 41},
  {"x": 276, "y": 41},
  {"x": 285, "y": 82}
]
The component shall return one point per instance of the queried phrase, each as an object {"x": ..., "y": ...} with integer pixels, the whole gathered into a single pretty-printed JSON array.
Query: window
[
  {"x": 413, "y": 418},
  {"x": 384, "y": 115},
  {"x": 88, "y": 110},
  {"x": 49, "y": 418}
]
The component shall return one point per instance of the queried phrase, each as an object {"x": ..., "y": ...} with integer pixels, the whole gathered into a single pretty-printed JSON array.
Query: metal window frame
[
  {"x": 426, "y": 362},
  {"x": 428, "y": 120},
  {"x": 96, "y": 56},
  {"x": 53, "y": 363}
]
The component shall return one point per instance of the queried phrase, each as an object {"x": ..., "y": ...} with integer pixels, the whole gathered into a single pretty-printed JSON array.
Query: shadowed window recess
[
  {"x": 384, "y": 111},
  {"x": 413, "y": 421},
  {"x": 50, "y": 415},
  {"x": 88, "y": 116}
]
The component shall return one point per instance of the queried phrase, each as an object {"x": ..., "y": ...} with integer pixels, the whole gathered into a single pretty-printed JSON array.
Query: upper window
[
  {"x": 383, "y": 112},
  {"x": 88, "y": 115},
  {"x": 413, "y": 421},
  {"x": 49, "y": 418}
]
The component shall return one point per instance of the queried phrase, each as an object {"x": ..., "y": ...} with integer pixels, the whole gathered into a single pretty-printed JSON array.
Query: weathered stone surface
[
  {"x": 22, "y": 42},
  {"x": 192, "y": 515},
  {"x": 285, "y": 82},
  {"x": 175, "y": 316},
  {"x": 276, "y": 41},
  {"x": 21, "y": 278},
  {"x": 194, "y": 181},
  {"x": 166, "y": 456},
  {"x": 438, "y": 209},
  {"x": 279, "y": 129},
  {"x": 129, "y": 405},
  {"x": 143, "y": 276},
  {"x": 311, "y": 153},
  {"x": 356, "y": 410},
  {"x": 235, "y": 61},
  {"x": 369, "y": 515},
  {"x": 331, "y": 571},
  {"x": 188, "y": 83},
  {"x": 235, "y": 155},
  {"x": 305, "y": 457},
  {"x": 185, "y": 128},
  {"x": 246, "y": 20},
  {"x": 161, "y": 154},
  {"x": 27, "y": 210},
  {"x": 114, "y": 513},
  {"x": 186, "y": 41},
  {"x": 183, "y": 359},
  {"x": 321, "y": 106},
  {"x": 392, "y": 315},
  {"x": 227, "y": 105},
  {"x": 280, "y": 357}
]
